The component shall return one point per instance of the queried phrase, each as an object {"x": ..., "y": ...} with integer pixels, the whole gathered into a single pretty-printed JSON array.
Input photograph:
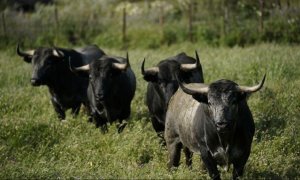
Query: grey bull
[{"x": 213, "y": 120}]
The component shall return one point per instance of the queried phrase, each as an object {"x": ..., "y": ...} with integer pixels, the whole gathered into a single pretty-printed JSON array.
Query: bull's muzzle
[
  {"x": 35, "y": 82},
  {"x": 223, "y": 126}
]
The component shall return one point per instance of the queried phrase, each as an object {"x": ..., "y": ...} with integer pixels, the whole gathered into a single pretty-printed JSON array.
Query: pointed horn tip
[{"x": 143, "y": 66}]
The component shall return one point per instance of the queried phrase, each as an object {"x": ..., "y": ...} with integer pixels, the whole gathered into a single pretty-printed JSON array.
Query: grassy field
[{"x": 35, "y": 144}]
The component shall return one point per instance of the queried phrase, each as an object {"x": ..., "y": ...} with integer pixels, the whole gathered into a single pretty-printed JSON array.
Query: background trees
[{"x": 151, "y": 23}]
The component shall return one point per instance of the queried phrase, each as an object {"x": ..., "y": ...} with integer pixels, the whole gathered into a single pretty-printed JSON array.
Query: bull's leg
[
  {"x": 100, "y": 122},
  {"x": 123, "y": 119},
  {"x": 88, "y": 110},
  {"x": 188, "y": 157},
  {"x": 237, "y": 172},
  {"x": 58, "y": 109},
  {"x": 238, "y": 166},
  {"x": 159, "y": 129},
  {"x": 75, "y": 110},
  {"x": 174, "y": 149},
  {"x": 210, "y": 163}
]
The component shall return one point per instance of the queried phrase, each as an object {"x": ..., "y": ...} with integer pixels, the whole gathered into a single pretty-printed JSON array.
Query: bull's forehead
[
  {"x": 98, "y": 66},
  {"x": 222, "y": 91},
  {"x": 168, "y": 69},
  {"x": 41, "y": 54}
]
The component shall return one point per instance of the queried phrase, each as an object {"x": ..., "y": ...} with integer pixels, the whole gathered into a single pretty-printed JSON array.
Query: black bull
[
  {"x": 162, "y": 84},
  {"x": 111, "y": 89},
  {"x": 51, "y": 68},
  {"x": 214, "y": 121}
]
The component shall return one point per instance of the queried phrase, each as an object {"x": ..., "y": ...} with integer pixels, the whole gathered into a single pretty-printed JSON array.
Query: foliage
[
  {"x": 34, "y": 144},
  {"x": 151, "y": 24}
]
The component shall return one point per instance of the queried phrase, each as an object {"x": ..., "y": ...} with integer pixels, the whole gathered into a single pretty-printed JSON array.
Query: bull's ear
[
  {"x": 27, "y": 59},
  {"x": 242, "y": 96},
  {"x": 200, "y": 98}
]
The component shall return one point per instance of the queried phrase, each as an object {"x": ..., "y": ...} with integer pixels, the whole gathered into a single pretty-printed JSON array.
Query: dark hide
[
  {"x": 67, "y": 89},
  {"x": 110, "y": 90},
  {"x": 163, "y": 85}
]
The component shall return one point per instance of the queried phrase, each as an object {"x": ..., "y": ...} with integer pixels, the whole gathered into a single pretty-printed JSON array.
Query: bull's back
[{"x": 90, "y": 53}]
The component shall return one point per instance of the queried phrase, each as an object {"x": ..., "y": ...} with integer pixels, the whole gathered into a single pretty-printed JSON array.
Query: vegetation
[
  {"x": 151, "y": 24},
  {"x": 35, "y": 144},
  {"x": 239, "y": 40}
]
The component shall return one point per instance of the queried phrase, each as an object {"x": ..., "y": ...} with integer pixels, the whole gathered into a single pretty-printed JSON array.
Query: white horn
[{"x": 253, "y": 88}]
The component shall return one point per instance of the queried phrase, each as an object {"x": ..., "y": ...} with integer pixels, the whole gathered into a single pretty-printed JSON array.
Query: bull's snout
[
  {"x": 223, "y": 126},
  {"x": 35, "y": 82},
  {"x": 100, "y": 97}
]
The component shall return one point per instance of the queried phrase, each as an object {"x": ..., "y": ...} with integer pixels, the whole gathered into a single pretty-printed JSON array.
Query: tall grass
[{"x": 35, "y": 144}]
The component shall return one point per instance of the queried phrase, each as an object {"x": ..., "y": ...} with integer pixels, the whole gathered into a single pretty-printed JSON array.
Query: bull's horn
[
  {"x": 152, "y": 70},
  {"x": 187, "y": 67},
  {"x": 253, "y": 88},
  {"x": 193, "y": 88},
  {"x": 81, "y": 68},
  {"x": 24, "y": 54},
  {"x": 57, "y": 53},
  {"x": 120, "y": 66}
]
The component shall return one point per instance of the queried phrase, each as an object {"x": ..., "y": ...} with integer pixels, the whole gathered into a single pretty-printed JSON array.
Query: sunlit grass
[{"x": 34, "y": 144}]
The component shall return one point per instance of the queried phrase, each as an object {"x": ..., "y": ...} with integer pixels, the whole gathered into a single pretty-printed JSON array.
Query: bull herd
[{"x": 212, "y": 120}]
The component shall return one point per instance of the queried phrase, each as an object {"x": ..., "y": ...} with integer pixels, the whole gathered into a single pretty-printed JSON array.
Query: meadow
[{"x": 35, "y": 144}]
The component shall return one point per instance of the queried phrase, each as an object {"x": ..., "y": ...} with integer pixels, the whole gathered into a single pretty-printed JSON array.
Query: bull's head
[
  {"x": 102, "y": 73},
  {"x": 164, "y": 75},
  {"x": 223, "y": 98},
  {"x": 44, "y": 61}
]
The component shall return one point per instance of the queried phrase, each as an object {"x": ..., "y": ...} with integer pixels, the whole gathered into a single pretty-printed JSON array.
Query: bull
[
  {"x": 51, "y": 68},
  {"x": 111, "y": 89},
  {"x": 162, "y": 84},
  {"x": 213, "y": 120}
]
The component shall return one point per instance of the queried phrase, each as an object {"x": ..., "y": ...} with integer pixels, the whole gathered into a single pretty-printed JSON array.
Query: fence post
[
  {"x": 56, "y": 23},
  {"x": 124, "y": 38},
  {"x": 190, "y": 25},
  {"x": 261, "y": 16},
  {"x": 4, "y": 27}
]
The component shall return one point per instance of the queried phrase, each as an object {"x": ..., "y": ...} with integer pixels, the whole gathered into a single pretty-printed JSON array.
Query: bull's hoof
[
  {"x": 104, "y": 129},
  {"x": 121, "y": 126}
]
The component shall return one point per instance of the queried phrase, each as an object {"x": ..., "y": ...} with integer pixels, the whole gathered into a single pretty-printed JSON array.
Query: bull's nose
[
  {"x": 222, "y": 125},
  {"x": 35, "y": 82},
  {"x": 100, "y": 97}
]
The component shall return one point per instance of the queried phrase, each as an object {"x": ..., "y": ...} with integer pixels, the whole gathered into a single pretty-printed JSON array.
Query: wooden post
[
  {"x": 124, "y": 39},
  {"x": 279, "y": 4},
  {"x": 4, "y": 26},
  {"x": 161, "y": 19},
  {"x": 56, "y": 24},
  {"x": 190, "y": 25},
  {"x": 56, "y": 17},
  {"x": 261, "y": 16}
]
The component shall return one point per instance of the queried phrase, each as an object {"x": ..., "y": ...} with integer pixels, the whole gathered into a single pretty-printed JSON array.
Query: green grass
[{"x": 35, "y": 144}]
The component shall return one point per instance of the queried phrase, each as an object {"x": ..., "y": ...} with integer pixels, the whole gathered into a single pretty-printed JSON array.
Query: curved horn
[
  {"x": 193, "y": 88},
  {"x": 24, "y": 54},
  {"x": 120, "y": 66},
  {"x": 82, "y": 68},
  {"x": 253, "y": 88},
  {"x": 57, "y": 53},
  {"x": 188, "y": 67},
  {"x": 152, "y": 70}
]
